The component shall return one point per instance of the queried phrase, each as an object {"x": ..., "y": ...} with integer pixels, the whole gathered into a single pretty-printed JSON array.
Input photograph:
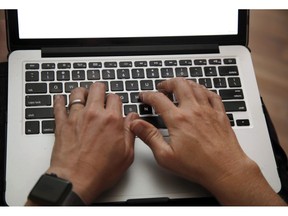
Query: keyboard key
[
  {"x": 230, "y": 61},
  {"x": 126, "y": 64},
  {"x": 65, "y": 98},
  {"x": 230, "y": 94},
  {"x": 78, "y": 75},
  {"x": 64, "y": 65},
  {"x": 196, "y": 72},
  {"x": 93, "y": 74},
  {"x": 132, "y": 85},
  {"x": 108, "y": 74},
  {"x": 55, "y": 88},
  {"x": 235, "y": 106},
  {"x": 123, "y": 74},
  {"x": 39, "y": 113},
  {"x": 228, "y": 71},
  {"x": 134, "y": 97},
  {"x": 35, "y": 88},
  {"x": 140, "y": 63},
  {"x": 117, "y": 86},
  {"x": 79, "y": 65},
  {"x": 130, "y": 108},
  {"x": 38, "y": 100},
  {"x": 181, "y": 72},
  {"x": 167, "y": 72},
  {"x": 95, "y": 64},
  {"x": 105, "y": 83},
  {"x": 157, "y": 121},
  {"x": 170, "y": 63},
  {"x": 48, "y": 66},
  {"x": 234, "y": 82},
  {"x": 110, "y": 64},
  {"x": 242, "y": 122},
  {"x": 215, "y": 61},
  {"x": 47, "y": 76},
  {"x": 137, "y": 73},
  {"x": 152, "y": 72},
  {"x": 123, "y": 97},
  {"x": 86, "y": 84},
  {"x": 155, "y": 63},
  {"x": 231, "y": 119},
  {"x": 210, "y": 71},
  {"x": 31, "y": 66},
  {"x": 145, "y": 109},
  {"x": 69, "y": 86},
  {"x": 219, "y": 83},
  {"x": 200, "y": 62},
  {"x": 32, "y": 76},
  {"x": 146, "y": 84},
  {"x": 185, "y": 62},
  {"x": 48, "y": 127},
  {"x": 63, "y": 75},
  {"x": 32, "y": 127},
  {"x": 205, "y": 82},
  {"x": 157, "y": 82}
]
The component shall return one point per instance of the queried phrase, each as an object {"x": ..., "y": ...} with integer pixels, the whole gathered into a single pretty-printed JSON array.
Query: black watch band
[{"x": 54, "y": 191}]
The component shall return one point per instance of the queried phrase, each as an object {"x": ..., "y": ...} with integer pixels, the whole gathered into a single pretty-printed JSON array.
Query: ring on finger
[{"x": 76, "y": 101}]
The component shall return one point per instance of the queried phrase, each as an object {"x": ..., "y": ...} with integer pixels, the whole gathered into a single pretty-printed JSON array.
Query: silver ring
[{"x": 76, "y": 101}]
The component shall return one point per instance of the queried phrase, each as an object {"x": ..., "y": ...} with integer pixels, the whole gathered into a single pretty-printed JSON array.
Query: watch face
[{"x": 50, "y": 190}]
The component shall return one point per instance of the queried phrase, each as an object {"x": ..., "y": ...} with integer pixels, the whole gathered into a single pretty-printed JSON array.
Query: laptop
[{"x": 130, "y": 50}]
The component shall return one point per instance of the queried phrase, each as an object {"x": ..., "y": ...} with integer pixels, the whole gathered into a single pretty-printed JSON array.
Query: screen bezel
[{"x": 15, "y": 43}]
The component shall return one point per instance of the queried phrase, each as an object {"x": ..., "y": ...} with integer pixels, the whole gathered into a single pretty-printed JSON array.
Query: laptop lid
[{"x": 107, "y": 34}]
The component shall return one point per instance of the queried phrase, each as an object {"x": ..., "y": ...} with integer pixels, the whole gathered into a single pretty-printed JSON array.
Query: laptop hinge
[{"x": 129, "y": 50}]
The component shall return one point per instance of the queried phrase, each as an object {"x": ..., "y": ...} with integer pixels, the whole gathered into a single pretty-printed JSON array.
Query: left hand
[{"x": 93, "y": 144}]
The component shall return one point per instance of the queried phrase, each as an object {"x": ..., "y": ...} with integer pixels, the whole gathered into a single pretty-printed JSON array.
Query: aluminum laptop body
[{"x": 28, "y": 155}]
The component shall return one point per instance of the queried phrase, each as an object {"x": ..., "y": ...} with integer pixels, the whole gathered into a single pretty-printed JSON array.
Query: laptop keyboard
[{"x": 127, "y": 79}]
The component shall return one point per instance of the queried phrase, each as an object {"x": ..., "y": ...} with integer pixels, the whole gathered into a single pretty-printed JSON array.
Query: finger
[
  {"x": 60, "y": 112},
  {"x": 181, "y": 89},
  {"x": 216, "y": 101},
  {"x": 96, "y": 96},
  {"x": 200, "y": 92},
  {"x": 80, "y": 95},
  {"x": 114, "y": 104},
  {"x": 129, "y": 135},
  {"x": 152, "y": 137}
]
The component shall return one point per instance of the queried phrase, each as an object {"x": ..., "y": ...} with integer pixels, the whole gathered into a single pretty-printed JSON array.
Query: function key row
[{"x": 114, "y": 64}]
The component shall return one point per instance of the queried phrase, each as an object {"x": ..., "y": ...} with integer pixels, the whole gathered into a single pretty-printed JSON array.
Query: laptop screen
[{"x": 122, "y": 21}]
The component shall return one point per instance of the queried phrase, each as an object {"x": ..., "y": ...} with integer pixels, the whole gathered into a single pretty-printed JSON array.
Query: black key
[
  {"x": 215, "y": 61},
  {"x": 210, "y": 71},
  {"x": 235, "y": 106},
  {"x": 228, "y": 70},
  {"x": 48, "y": 127},
  {"x": 108, "y": 74},
  {"x": 196, "y": 72},
  {"x": 110, "y": 64},
  {"x": 146, "y": 84},
  {"x": 126, "y": 64},
  {"x": 47, "y": 76},
  {"x": 170, "y": 63},
  {"x": 35, "y": 88},
  {"x": 145, "y": 109},
  {"x": 78, "y": 75},
  {"x": 65, "y": 98},
  {"x": 31, "y": 66},
  {"x": 140, "y": 63},
  {"x": 93, "y": 74},
  {"x": 231, "y": 119},
  {"x": 117, "y": 86},
  {"x": 131, "y": 85},
  {"x": 157, "y": 121},
  {"x": 229, "y": 94},
  {"x": 105, "y": 83},
  {"x": 181, "y": 72},
  {"x": 69, "y": 86},
  {"x": 38, "y": 100},
  {"x": 242, "y": 122},
  {"x": 48, "y": 66},
  {"x": 205, "y": 82},
  {"x": 152, "y": 72},
  {"x": 123, "y": 74},
  {"x": 129, "y": 108},
  {"x": 155, "y": 63},
  {"x": 55, "y": 88},
  {"x": 95, "y": 65},
  {"x": 63, "y": 75},
  {"x": 39, "y": 113},
  {"x": 167, "y": 72},
  {"x": 86, "y": 84},
  {"x": 157, "y": 82},
  {"x": 137, "y": 73},
  {"x": 234, "y": 82},
  {"x": 200, "y": 62},
  {"x": 230, "y": 61},
  {"x": 32, "y": 76},
  {"x": 219, "y": 83},
  {"x": 32, "y": 127},
  {"x": 64, "y": 65},
  {"x": 134, "y": 97},
  {"x": 123, "y": 97},
  {"x": 185, "y": 62},
  {"x": 77, "y": 65}
]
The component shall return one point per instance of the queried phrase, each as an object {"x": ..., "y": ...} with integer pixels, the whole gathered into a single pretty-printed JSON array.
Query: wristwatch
[{"x": 50, "y": 190}]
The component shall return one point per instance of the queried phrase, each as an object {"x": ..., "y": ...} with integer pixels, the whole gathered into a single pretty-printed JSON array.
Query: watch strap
[{"x": 73, "y": 200}]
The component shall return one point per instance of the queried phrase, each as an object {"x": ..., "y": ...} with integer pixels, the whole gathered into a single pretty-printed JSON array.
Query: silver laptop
[{"x": 130, "y": 50}]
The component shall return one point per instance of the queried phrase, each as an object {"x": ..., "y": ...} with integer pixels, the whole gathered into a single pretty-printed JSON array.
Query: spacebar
[{"x": 157, "y": 121}]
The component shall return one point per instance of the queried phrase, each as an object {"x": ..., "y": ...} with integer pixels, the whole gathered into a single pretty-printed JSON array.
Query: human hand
[{"x": 93, "y": 144}]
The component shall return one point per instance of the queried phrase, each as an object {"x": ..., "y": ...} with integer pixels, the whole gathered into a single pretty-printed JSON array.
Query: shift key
[
  {"x": 235, "y": 106},
  {"x": 39, "y": 113}
]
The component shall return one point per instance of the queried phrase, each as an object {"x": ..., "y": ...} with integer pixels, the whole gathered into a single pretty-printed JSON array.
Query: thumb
[
  {"x": 152, "y": 137},
  {"x": 129, "y": 135}
]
